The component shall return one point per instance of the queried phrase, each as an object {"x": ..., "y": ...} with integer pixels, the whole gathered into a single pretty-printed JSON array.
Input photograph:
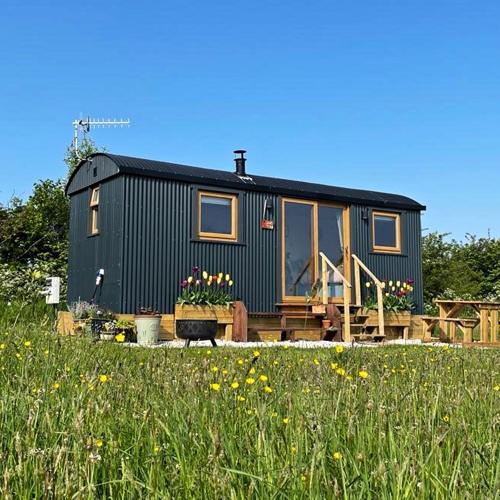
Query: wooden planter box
[
  {"x": 397, "y": 325},
  {"x": 222, "y": 314}
]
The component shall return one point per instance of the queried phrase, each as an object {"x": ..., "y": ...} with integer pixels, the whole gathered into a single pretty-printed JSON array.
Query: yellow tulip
[
  {"x": 227, "y": 277},
  {"x": 190, "y": 279},
  {"x": 219, "y": 281},
  {"x": 398, "y": 283},
  {"x": 220, "y": 275},
  {"x": 205, "y": 275},
  {"x": 230, "y": 283}
]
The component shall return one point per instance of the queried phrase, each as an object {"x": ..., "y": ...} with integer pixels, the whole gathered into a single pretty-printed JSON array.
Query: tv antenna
[{"x": 85, "y": 124}]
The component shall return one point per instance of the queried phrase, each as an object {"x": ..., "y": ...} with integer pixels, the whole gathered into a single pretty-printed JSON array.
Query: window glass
[
  {"x": 386, "y": 231},
  {"x": 216, "y": 215}
]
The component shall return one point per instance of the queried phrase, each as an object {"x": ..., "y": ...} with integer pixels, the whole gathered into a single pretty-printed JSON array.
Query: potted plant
[
  {"x": 397, "y": 302},
  {"x": 82, "y": 313},
  {"x": 124, "y": 330},
  {"x": 108, "y": 331},
  {"x": 147, "y": 323},
  {"x": 204, "y": 301},
  {"x": 98, "y": 318}
]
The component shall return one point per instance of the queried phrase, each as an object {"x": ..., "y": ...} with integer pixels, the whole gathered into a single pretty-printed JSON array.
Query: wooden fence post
[{"x": 240, "y": 322}]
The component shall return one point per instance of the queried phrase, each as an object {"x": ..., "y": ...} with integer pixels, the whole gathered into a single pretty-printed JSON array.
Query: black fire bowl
[{"x": 196, "y": 329}]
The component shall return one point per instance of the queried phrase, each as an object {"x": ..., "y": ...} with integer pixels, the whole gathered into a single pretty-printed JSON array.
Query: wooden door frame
[{"x": 346, "y": 233}]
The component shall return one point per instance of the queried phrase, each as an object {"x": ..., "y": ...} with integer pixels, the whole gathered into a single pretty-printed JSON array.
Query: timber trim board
[
  {"x": 397, "y": 219},
  {"x": 207, "y": 236},
  {"x": 94, "y": 211},
  {"x": 315, "y": 246}
]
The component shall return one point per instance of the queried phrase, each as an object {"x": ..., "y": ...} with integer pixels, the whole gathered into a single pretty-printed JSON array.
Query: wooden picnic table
[{"x": 487, "y": 312}]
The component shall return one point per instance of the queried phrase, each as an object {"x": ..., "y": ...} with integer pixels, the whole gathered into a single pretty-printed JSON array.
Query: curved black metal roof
[{"x": 224, "y": 178}]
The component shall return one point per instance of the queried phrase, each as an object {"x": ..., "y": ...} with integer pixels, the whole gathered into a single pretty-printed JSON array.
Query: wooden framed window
[
  {"x": 217, "y": 216},
  {"x": 94, "y": 211},
  {"x": 386, "y": 232}
]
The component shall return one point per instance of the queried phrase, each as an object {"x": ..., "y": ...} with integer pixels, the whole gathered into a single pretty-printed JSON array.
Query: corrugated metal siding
[
  {"x": 159, "y": 249},
  {"x": 87, "y": 254},
  {"x": 388, "y": 266},
  {"x": 84, "y": 176}
]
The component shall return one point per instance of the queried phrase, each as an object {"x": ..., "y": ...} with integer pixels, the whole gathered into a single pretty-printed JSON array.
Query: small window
[
  {"x": 217, "y": 216},
  {"x": 94, "y": 211},
  {"x": 386, "y": 232}
]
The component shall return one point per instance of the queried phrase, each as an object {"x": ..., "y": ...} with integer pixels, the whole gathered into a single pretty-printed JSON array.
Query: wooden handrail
[
  {"x": 357, "y": 286},
  {"x": 329, "y": 262},
  {"x": 325, "y": 262},
  {"x": 367, "y": 271}
]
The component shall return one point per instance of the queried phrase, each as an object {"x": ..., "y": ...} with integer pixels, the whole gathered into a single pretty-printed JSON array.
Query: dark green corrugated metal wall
[
  {"x": 146, "y": 246},
  {"x": 159, "y": 248},
  {"x": 88, "y": 254}
]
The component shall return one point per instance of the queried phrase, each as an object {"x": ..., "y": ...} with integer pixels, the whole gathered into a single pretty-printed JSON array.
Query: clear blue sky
[{"x": 394, "y": 96}]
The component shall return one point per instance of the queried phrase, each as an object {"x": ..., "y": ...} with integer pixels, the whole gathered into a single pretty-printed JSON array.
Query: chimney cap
[{"x": 239, "y": 152}]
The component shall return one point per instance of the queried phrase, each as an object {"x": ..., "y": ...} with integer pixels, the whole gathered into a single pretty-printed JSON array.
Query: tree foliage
[
  {"x": 74, "y": 156},
  {"x": 467, "y": 270}
]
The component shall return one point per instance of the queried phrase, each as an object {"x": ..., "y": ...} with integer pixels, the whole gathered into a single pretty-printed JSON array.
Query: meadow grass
[{"x": 94, "y": 420}]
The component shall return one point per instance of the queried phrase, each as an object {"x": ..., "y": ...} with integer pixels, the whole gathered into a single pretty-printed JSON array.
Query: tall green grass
[{"x": 92, "y": 420}]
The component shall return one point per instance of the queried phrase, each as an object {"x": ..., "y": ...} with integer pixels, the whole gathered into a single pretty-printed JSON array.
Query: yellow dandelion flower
[
  {"x": 27, "y": 343},
  {"x": 215, "y": 369},
  {"x": 224, "y": 372},
  {"x": 251, "y": 371},
  {"x": 363, "y": 374},
  {"x": 99, "y": 443},
  {"x": 250, "y": 381},
  {"x": 316, "y": 361},
  {"x": 241, "y": 398},
  {"x": 103, "y": 378},
  {"x": 240, "y": 361},
  {"x": 267, "y": 389},
  {"x": 256, "y": 354},
  {"x": 339, "y": 349},
  {"x": 235, "y": 385},
  {"x": 333, "y": 366},
  {"x": 340, "y": 371},
  {"x": 120, "y": 338},
  {"x": 56, "y": 385},
  {"x": 215, "y": 387},
  {"x": 286, "y": 420},
  {"x": 337, "y": 455},
  {"x": 263, "y": 378}
]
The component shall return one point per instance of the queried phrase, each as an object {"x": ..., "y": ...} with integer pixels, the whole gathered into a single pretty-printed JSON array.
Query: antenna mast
[{"x": 85, "y": 124}]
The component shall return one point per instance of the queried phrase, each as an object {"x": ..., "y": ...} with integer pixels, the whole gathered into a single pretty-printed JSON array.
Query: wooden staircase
[{"x": 302, "y": 321}]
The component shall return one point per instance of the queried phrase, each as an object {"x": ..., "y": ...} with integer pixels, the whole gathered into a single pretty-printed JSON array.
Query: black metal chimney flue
[{"x": 240, "y": 162}]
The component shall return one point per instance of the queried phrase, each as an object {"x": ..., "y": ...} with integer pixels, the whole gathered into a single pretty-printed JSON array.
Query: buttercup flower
[
  {"x": 337, "y": 455},
  {"x": 267, "y": 389},
  {"x": 263, "y": 378},
  {"x": 103, "y": 378},
  {"x": 250, "y": 381},
  {"x": 215, "y": 387},
  {"x": 120, "y": 337},
  {"x": 235, "y": 385},
  {"x": 339, "y": 349},
  {"x": 363, "y": 374}
]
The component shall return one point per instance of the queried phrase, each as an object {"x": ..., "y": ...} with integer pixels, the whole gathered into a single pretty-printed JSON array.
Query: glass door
[
  {"x": 298, "y": 244},
  {"x": 331, "y": 243},
  {"x": 308, "y": 229}
]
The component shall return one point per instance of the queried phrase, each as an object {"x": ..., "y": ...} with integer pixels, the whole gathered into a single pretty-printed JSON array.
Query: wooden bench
[{"x": 466, "y": 324}]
